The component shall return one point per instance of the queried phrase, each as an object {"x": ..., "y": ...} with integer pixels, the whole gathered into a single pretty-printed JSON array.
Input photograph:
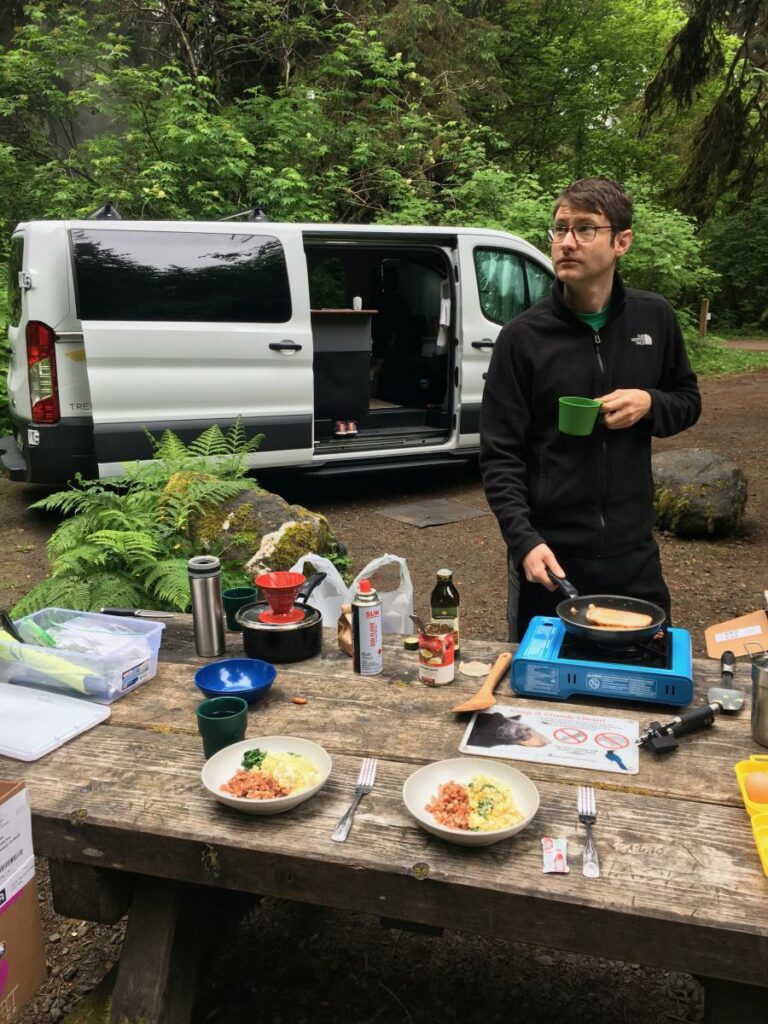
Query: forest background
[{"x": 401, "y": 111}]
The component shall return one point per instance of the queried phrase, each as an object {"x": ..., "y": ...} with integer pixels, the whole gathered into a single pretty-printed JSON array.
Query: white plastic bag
[
  {"x": 396, "y": 605},
  {"x": 331, "y": 594}
]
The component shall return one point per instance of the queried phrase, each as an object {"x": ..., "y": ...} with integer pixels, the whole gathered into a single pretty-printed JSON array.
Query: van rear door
[{"x": 186, "y": 325}]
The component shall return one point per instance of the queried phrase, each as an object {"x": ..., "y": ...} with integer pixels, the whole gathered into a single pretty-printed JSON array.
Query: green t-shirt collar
[{"x": 595, "y": 320}]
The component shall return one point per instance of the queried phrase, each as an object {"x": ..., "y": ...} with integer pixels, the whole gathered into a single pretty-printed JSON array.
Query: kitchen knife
[{"x": 141, "y": 613}]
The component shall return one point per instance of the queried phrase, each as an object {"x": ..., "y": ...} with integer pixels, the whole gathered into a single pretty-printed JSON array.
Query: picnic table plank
[{"x": 681, "y": 887}]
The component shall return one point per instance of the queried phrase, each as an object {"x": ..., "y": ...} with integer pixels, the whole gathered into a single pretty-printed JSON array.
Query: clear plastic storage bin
[{"x": 97, "y": 657}]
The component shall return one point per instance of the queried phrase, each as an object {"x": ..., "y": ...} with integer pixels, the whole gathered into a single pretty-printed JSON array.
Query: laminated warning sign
[{"x": 578, "y": 740}]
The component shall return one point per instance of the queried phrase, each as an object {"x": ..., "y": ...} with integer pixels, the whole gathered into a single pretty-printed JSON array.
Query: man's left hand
[{"x": 623, "y": 408}]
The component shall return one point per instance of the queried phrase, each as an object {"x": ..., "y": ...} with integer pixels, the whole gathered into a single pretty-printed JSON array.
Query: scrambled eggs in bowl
[
  {"x": 483, "y": 804},
  {"x": 471, "y": 801},
  {"x": 267, "y": 774},
  {"x": 491, "y": 805},
  {"x": 292, "y": 771}
]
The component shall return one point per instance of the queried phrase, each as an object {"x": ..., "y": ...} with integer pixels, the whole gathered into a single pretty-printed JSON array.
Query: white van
[{"x": 121, "y": 327}]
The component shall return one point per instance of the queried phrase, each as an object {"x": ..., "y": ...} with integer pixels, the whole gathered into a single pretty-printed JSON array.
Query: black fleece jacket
[{"x": 587, "y": 496}]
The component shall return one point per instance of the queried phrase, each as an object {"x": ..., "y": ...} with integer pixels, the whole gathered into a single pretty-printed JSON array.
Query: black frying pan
[{"x": 573, "y": 615}]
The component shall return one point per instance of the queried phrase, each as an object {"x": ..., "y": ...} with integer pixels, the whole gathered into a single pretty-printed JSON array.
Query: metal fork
[
  {"x": 364, "y": 786},
  {"x": 587, "y": 808}
]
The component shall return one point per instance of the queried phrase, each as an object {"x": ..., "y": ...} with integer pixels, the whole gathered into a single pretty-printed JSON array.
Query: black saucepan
[
  {"x": 283, "y": 642},
  {"x": 573, "y": 612}
]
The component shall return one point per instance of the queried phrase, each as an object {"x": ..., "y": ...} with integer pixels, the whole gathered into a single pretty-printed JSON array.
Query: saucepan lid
[{"x": 252, "y": 616}]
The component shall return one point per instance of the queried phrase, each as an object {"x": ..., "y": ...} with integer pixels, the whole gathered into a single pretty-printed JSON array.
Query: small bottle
[
  {"x": 444, "y": 603},
  {"x": 207, "y": 611},
  {"x": 366, "y": 630}
]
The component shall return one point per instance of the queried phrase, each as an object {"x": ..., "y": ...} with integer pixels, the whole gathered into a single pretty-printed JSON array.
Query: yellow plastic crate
[{"x": 758, "y": 812}]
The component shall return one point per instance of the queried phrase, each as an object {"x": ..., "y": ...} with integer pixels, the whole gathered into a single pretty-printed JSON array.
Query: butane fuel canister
[{"x": 366, "y": 630}]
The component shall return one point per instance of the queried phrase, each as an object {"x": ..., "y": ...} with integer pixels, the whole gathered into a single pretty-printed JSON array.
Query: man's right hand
[{"x": 536, "y": 563}]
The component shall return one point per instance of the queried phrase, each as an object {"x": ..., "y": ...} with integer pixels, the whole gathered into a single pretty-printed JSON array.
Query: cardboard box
[
  {"x": 744, "y": 635},
  {"x": 22, "y": 951}
]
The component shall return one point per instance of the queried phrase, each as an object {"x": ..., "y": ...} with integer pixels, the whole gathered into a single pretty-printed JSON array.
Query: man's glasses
[{"x": 581, "y": 232}]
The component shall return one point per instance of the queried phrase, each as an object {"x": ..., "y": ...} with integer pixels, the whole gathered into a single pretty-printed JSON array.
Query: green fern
[
  {"x": 127, "y": 541},
  {"x": 168, "y": 581}
]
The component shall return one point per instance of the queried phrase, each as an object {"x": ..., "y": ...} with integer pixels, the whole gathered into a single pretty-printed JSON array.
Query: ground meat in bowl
[
  {"x": 254, "y": 786},
  {"x": 451, "y": 806}
]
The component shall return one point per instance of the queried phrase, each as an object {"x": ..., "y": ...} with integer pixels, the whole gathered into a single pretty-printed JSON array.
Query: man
[{"x": 582, "y": 507}]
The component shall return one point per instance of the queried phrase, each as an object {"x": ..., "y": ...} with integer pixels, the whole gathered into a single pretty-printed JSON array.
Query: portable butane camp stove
[{"x": 554, "y": 664}]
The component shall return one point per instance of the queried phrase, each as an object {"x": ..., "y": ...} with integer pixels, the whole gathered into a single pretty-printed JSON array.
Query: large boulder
[
  {"x": 264, "y": 532},
  {"x": 699, "y": 493}
]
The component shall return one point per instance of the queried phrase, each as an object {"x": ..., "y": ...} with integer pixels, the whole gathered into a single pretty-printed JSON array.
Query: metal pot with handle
[
  {"x": 279, "y": 643},
  {"x": 760, "y": 697},
  {"x": 573, "y": 615}
]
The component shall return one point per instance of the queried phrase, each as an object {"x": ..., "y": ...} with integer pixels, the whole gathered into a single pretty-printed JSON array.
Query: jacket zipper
[{"x": 604, "y": 453}]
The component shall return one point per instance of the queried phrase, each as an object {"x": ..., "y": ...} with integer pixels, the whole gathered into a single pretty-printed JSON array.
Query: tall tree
[{"x": 729, "y": 39}]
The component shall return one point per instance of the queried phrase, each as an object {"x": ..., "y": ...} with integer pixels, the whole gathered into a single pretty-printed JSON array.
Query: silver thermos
[
  {"x": 207, "y": 611},
  {"x": 760, "y": 698}
]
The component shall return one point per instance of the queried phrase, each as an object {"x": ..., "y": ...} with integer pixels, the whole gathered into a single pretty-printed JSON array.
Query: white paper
[
  {"x": 17, "y": 862},
  {"x": 737, "y": 634},
  {"x": 572, "y": 738}
]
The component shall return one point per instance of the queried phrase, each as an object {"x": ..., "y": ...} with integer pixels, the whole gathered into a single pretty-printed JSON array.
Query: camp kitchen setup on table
[{"x": 674, "y": 848}]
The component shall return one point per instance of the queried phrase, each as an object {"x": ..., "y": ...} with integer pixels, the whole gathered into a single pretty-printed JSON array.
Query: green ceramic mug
[{"x": 577, "y": 416}]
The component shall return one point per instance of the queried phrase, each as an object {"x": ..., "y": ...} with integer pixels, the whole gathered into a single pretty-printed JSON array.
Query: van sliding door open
[{"x": 186, "y": 325}]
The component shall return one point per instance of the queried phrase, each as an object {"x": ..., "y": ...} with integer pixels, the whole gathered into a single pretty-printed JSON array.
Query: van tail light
[{"x": 41, "y": 368}]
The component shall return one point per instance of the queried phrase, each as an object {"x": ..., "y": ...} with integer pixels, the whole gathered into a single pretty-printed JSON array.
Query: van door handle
[
  {"x": 483, "y": 343},
  {"x": 284, "y": 346}
]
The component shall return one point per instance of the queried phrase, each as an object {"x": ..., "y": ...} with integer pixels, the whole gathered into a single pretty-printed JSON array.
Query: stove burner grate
[{"x": 656, "y": 652}]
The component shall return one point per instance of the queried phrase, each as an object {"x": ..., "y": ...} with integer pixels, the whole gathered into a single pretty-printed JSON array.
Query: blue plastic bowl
[{"x": 248, "y": 678}]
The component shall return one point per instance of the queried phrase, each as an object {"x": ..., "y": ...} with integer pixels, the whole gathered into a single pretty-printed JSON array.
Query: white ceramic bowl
[
  {"x": 422, "y": 786},
  {"x": 223, "y": 765}
]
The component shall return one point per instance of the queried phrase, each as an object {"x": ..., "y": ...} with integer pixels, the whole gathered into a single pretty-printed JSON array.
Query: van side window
[
  {"x": 501, "y": 284},
  {"x": 180, "y": 276},
  {"x": 15, "y": 265},
  {"x": 539, "y": 282}
]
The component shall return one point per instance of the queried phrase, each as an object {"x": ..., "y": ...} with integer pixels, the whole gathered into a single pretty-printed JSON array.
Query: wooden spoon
[{"x": 484, "y": 697}]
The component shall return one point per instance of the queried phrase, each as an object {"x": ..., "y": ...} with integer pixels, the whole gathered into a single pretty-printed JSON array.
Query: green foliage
[
  {"x": 735, "y": 247},
  {"x": 710, "y": 358},
  {"x": 457, "y": 111},
  {"x": 666, "y": 254},
  {"x": 127, "y": 540},
  {"x": 719, "y": 50},
  {"x": 338, "y": 556}
]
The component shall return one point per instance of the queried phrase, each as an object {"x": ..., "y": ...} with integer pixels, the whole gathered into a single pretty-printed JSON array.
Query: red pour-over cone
[{"x": 280, "y": 589}]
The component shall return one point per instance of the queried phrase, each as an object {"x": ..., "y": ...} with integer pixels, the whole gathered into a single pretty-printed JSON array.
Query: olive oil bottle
[{"x": 444, "y": 603}]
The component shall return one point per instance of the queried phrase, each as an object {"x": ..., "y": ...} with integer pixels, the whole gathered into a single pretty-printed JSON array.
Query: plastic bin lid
[{"x": 33, "y": 723}]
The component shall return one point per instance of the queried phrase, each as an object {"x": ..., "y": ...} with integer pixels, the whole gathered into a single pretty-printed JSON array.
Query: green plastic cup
[
  {"x": 577, "y": 416},
  {"x": 233, "y": 599},
  {"x": 221, "y": 721}
]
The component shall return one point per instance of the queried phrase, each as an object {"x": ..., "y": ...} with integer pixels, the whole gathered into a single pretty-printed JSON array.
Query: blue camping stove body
[{"x": 553, "y": 664}]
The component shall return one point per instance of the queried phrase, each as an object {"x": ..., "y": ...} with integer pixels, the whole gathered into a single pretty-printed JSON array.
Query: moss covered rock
[
  {"x": 263, "y": 531},
  {"x": 699, "y": 493}
]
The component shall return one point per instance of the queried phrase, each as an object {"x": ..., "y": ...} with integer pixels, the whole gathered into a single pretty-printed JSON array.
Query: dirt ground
[{"x": 332, "y": 967}]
